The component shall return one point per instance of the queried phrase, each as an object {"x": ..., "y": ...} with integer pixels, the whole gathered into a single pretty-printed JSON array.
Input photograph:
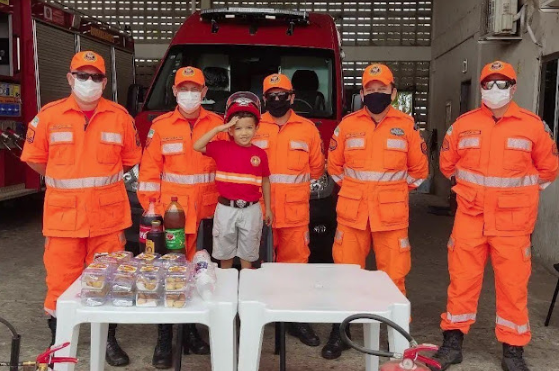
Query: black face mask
[
  {"x": 377, "y": 102},
  {"x": 278, "y": 108}
]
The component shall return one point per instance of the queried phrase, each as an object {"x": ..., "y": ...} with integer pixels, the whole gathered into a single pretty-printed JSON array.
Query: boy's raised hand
[{"x": 230, "y": 124}]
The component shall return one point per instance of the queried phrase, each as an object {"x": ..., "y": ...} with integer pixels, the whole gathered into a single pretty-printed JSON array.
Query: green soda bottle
[{"x": 174, "y": 221}]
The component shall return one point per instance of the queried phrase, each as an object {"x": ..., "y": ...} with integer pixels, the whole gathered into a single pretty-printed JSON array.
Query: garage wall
[{"x": 451, "y": 46}]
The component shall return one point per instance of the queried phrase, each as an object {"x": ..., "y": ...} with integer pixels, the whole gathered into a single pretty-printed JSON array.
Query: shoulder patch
[
  {"x": 150, "y": 133},
  {"x": 449, "y": 131},
  {"x": 547, "y": 129},
  {"x": 34, "y": 122},
  {"x": 337, "y": 131},
  {"x": 52, "y": 104}
]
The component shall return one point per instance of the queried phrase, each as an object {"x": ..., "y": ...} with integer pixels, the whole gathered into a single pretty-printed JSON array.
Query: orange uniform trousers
[
  {"x": 468, "y": 250},
  {"x": 65, "y": 258},
  {"x": 392, "y": 250},
  {"x": 291, "y": 245}
]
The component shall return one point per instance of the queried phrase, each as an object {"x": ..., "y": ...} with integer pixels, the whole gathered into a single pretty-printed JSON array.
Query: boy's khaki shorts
[{"x": 237, "y": 232}]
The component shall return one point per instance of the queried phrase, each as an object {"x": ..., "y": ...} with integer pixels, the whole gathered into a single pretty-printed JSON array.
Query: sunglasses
[
  {"x": 84, "y": 76},
  {"x": 281, "y": 96},
  {"x": 501, "y": 84}
]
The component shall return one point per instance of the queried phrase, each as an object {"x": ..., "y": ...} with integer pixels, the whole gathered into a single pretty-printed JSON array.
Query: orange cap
[
  {"x": 498, "y": 67},
  {"x": 377, "y": 72},
  {"x": 88, "y": 59},
  {"x": 277, "y": 81},
  {"x": 189, "y": 74}
]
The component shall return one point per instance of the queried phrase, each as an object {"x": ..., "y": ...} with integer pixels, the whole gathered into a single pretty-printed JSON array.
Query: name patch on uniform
[
  {"x": 397, "y": 131},
  {"x": 355, "y": 135},
  {"x": 30, "y": 137},
  {"x": 171, "y": 138},
  {"x": 337, "y": 131},
  {"x": 59, "y": 127},
  {"x": 333, "y": 144},
  {"x": 255, "y": 161},
  {"x": 470, "y": 132}
]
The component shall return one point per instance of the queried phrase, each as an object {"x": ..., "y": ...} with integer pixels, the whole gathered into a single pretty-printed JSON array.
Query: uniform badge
[
  {"x": 449, "y": 131},
  {"x": 150, "y": 133},
  {"x": 30, "y": 137},
  {"x": 90, "y": 57},
  {"x": 446, "y": 145},
  {"x": 188, "y": 71},
  {"x": 35, "y": 122},
  {"x": 255, "y": 161},
  {"x": 375, "y": 70},
  {"x": 424, "y": 148},
  {"x": 397, "y": 131},
  {"x": 275, "y": 79},
  {"x": 337, "y": 131},
  {"x": 333, "y": 144},
  {"x": 496, "y": 66}
]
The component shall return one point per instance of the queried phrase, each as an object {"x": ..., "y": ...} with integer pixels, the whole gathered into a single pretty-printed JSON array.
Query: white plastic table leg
[
  {"x": 67, "y": 330},
  {"x": 398, "y": 343},
  {"x": 222, "y": 340},
  {"x": 252, "y": 331},
  {"x": 98, "y": 347},
  {"x": 371, "y": 334}
]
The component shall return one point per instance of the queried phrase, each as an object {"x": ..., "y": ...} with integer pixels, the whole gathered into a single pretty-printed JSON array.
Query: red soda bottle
[{"x": 145, "y": 223}]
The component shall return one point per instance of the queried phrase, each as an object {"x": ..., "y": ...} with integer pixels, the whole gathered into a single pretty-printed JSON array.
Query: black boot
[
  {"x": 52, "y": 325},
  {"x": 513, "y": 359},
  {"x": 334, "y": 347},
  {"x": 115, "y": 356},
  {"x": 192, "y": 341},
  {"x": 163, "y": 354},
  {"x": 304, "y": 332},
  {"x": 450, "y": 353}
]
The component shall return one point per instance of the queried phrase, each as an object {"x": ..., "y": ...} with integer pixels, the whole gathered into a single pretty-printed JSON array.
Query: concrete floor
[{"x": 22, "y": 290}]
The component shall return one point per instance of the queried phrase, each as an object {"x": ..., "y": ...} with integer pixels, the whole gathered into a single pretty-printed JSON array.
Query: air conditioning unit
[
  {"x": 498, "y": 20},
  {"x": 549, "y": 5}
]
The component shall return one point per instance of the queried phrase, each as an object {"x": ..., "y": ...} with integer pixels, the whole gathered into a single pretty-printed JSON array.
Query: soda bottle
[
  {"x": 174, "y": 221},
  {"x": 145, "y": 222},
  {"x": 155, "y": 239}
]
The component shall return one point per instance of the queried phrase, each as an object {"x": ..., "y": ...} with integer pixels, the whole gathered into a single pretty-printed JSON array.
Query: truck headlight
[
  {"x": 322, "y": 187},
  {"x": 131, "y": 179}
]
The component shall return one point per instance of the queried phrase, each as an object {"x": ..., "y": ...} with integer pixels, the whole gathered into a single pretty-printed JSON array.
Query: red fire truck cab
[
  {"x": 237, "y": 48},
  {"x": 37, "y": 42}
]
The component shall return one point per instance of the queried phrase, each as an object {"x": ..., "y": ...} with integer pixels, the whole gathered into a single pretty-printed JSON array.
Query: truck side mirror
[
  {"x": 134, "y": 99},
  {"x": 356, "y": 102}
]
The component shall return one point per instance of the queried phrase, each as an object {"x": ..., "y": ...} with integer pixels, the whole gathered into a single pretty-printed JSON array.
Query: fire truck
[
  {"x": 236, "y": 48},
  {"x": 37, "y": 42}
]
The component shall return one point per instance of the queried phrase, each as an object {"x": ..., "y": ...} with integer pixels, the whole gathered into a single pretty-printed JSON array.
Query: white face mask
[
  {"x": 189, "y": 101},
  {"x": 88, "y": 91},
  {"x": 496, "y": 98}
]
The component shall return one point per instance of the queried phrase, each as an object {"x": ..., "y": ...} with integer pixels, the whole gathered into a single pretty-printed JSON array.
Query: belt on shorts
[{"x": 240, "y": 204}]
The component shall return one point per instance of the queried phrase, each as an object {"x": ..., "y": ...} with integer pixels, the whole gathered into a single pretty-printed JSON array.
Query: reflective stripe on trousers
[
  {"x": 497, "y": 182},
  {"x": 289, "y": 179},
  {"x": 188, "y": 179},
  {"x": 79, "y": 183},
  {"x": 521, "y": 329},
  {"x": 149, "y": 187},
  {"x": 457, "y": 318}
]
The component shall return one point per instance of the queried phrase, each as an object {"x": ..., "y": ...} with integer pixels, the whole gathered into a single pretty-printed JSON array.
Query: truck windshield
[{"x": 231, "y": 68}]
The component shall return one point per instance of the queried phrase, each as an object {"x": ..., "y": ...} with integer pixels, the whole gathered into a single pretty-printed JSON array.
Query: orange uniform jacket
[
  {"x": 295, "y": 157},
  {"x": 376, "y": 165},
  {"x": 500, "y": 167},
  {"x": 171, "y": 167},
  {"x": 85, "y": 194}
]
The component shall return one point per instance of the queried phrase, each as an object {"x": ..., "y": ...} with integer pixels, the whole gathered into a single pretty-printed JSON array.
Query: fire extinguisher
[{"x": 411, "y": 359}]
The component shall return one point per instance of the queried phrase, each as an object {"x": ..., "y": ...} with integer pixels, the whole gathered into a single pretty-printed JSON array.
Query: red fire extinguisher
[{"x": 411, "y": 359}]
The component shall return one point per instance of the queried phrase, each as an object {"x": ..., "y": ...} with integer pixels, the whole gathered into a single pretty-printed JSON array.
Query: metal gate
[{"x": 124, "y": 67}]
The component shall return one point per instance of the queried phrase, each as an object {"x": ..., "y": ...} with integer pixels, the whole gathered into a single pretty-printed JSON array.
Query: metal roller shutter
[
  {"x": 124, "y": 65},
  {"x": 105, "y": 52},
  {"x": 55, "y": 49}
]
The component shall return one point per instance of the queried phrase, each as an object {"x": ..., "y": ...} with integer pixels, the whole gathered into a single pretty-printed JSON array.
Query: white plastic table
[
  {"x": 219, "y": 315},
  {"x": 312, "y": 293}
]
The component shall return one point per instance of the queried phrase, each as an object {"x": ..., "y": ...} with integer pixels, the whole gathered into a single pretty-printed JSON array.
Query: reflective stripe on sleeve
[
  {"x": 338, "y": 178},
  {"x": 289, "y": 179},
  {"x": 188, "y": 179}
]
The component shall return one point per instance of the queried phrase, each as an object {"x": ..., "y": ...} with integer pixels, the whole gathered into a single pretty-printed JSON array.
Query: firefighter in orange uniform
[
  {"x": 376, "y": 156},
  {"x": 82, "y": 145},
  {"x": 294, "y": 150},
  {"x": 171, "y": 167},
  {"x": 500, "y": 156}
]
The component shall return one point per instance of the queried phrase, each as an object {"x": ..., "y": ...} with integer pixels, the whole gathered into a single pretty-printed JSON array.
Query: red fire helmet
[{"x": 242, "y": 101}]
